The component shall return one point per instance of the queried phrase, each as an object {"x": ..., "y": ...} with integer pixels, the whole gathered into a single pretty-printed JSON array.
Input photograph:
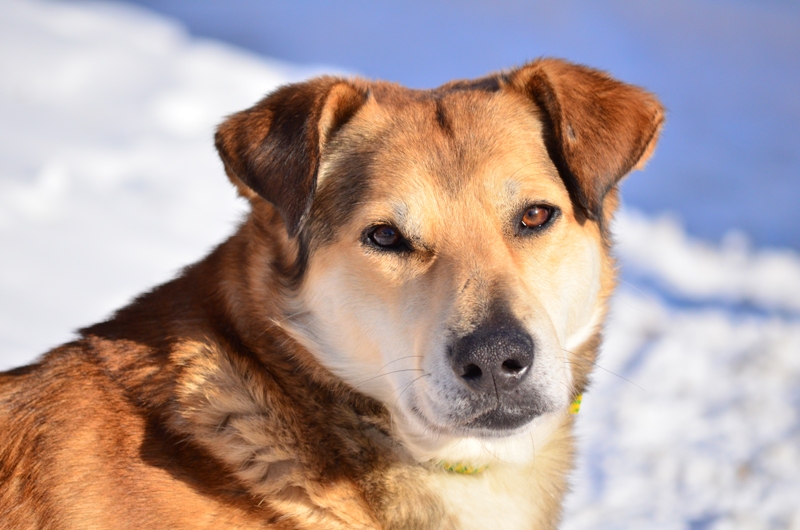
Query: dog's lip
[
  {"x": 503, "y": 419},
  {"x": 484, "y": 423}
]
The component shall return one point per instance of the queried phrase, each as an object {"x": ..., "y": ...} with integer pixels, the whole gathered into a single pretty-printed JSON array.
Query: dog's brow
[
  {"x": 405, "y": 222},
  {"x": 513, "y": 182},
  {"x": 545, "y": 171}
]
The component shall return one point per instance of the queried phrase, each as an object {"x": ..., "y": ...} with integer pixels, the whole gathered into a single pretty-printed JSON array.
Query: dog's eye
[
  {"x": 537, "y": 216},
  {"x": 388, "y": 237}
]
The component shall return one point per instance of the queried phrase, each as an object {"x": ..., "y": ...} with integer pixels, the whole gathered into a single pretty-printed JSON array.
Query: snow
[
  {"x": 108, "y": 178},
  {"x": 109, "y": 184},
  {"x": 661, "y": 250},
  {"x": 694, "y": 424}
]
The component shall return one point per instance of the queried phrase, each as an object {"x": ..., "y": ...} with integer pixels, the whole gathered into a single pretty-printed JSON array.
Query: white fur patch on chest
[
  {"x": 521, "y": 486},
  {"x": 501, "y": 497}
]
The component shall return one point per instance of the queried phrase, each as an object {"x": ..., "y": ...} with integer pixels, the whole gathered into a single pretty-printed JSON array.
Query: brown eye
[
  {"x": 536, "y": 216},
  {"x": 386, "y": 236}
]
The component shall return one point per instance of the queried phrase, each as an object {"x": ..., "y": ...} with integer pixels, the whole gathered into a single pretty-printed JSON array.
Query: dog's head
[{"x": 451, "y": 252}]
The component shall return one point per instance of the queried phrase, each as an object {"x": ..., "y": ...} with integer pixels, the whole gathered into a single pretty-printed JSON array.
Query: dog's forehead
[
  {"x": 451, "y": 134},
  {"x": 408, "y": 147}
]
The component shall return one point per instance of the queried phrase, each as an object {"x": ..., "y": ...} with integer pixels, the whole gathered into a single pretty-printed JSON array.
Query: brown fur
[{"x": 212, "y": 401}]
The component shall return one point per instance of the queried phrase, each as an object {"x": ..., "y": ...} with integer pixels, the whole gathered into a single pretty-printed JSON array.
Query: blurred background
[
  {"x": 727, "y": 71},
  {"x": 109, "y": 184}
]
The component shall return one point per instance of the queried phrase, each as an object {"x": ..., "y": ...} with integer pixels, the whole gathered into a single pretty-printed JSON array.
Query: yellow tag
[
  {"x": 463, "y": 469},
  {"x": 575, "y": 406}
]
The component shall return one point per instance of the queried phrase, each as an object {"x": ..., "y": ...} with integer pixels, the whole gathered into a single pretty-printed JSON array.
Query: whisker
[
  {"x": 388, "y": 373},
  {"x": 400, "y": 359},
  {"x": 593, "y": 363},
  {"x": 393, "y": 371},
  {"x": 490, "y": 452},
  {"x": 521, "y": 168},
  {"x": 629, "y": 284},
  {"x": 533, "y": 443},
  {"x": 279, "y": 321},
  {"x": 407, "y": 386}
]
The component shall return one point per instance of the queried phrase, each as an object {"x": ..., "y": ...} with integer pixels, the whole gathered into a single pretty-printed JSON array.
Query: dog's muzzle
[{"x": 494, "y": 362}]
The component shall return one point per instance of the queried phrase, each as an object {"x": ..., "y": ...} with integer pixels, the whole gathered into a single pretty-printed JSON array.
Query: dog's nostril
[
  {"x": 493, "y": 359},
  {"x": 512, "y": 366},
  {"x": 472, "y": 372}
]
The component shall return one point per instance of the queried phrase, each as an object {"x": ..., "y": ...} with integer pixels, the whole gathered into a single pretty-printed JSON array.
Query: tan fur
[{"x": 300, "y": 377}]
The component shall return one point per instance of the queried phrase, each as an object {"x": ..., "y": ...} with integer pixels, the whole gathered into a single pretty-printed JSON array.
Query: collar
[
  {"x": 461, "y": 468},
  {"x": 575, "y": 406}
]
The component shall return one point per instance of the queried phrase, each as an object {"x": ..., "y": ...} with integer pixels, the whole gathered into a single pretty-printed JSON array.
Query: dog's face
[
  {"x": 457, "y": 276},
  {"x": 453, "y": 247}
]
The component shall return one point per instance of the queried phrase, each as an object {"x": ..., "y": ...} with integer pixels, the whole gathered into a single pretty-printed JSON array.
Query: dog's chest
[{"x": 503, "y": 499}]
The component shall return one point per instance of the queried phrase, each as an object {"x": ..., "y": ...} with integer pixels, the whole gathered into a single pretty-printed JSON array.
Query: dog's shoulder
[
  {"x": 61, "y": 390},
  {"x": 52, "y": 413},
  {"x": 78, "y": 448}
]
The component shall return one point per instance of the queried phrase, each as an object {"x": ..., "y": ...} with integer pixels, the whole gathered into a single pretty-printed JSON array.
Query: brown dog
[{"x": 392, "y": 339}]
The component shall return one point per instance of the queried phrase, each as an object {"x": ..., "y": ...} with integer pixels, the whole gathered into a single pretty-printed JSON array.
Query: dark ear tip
[
  {"x": 225, "y": 139},
  {"x": 597, "y": 129},
  {"x": 272, "y": 150}
]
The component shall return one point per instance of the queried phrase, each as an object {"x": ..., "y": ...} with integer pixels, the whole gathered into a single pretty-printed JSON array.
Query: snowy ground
[{"x": 109, "y": 184}]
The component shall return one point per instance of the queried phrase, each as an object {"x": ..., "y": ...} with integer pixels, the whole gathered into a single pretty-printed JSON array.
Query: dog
[{"x": 392, "y": 338}]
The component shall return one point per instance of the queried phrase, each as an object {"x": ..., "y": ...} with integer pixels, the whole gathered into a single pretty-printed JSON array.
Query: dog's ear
[
  {"x": 597, "y": 129},
  {"x": 273, "y": 149}
]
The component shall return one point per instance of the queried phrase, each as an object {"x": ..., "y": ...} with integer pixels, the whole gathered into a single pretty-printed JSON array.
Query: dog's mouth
[{"x": 502, "y": 419}]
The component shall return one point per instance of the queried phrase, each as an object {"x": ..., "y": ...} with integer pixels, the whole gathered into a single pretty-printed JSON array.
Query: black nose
[{"x": 493, "y": 359}]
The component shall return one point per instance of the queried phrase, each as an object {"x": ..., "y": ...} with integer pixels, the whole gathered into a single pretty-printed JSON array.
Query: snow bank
[
  {"x": 692, "y": 423},
  {"x": 109, "y": 184},
  {"x": 660, "y": 250}
]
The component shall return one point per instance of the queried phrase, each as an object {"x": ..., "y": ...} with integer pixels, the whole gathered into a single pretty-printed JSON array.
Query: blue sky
[{"x": 728, "y": 72}]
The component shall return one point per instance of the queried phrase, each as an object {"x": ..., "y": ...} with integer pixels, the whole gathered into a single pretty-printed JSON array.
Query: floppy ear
[
  {"x": 597, "y": 129},
  {"x": 273, "y": 149}
]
